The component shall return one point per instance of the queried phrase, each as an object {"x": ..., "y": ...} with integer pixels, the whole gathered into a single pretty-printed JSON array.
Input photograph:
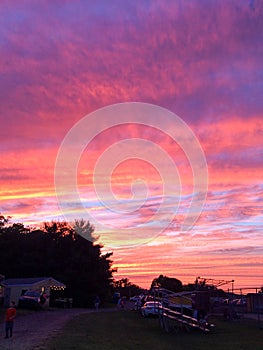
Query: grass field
[{"x": 127, "y": 330}]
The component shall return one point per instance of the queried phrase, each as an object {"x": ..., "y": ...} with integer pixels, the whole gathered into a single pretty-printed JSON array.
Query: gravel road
[{"x": 33, "y": 330}]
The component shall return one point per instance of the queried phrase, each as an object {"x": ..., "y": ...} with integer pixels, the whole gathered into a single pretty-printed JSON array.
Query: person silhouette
[
  {"x": 97, "y": 302},
  {"x": 9, "y": 320}
]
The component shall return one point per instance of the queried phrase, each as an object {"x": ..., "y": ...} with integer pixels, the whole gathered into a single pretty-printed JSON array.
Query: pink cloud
[{"x": 203, "y": 61}]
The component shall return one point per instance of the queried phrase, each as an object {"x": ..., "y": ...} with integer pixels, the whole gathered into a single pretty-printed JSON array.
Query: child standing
[{"x": 9, "y": 320}]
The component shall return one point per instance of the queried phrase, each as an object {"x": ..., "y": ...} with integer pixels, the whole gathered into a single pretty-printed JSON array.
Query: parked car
[
  {"x": 227, "y": 301},
  {"x": 239, "y": 302},
  {"x": 30, "y": 300},
  {"x": 135, "y": 298},
  {"x": 151, "y": 308}
]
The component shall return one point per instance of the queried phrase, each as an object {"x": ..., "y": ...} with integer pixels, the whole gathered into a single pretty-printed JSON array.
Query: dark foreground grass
[{"x": 128, "y": 331}]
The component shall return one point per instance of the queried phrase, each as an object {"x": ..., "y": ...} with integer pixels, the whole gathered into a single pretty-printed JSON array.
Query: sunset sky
[{"x": 201, "y": 60}]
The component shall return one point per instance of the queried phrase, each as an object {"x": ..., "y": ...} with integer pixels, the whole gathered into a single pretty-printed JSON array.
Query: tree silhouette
[
  {"x": 57, "y": 250},
  {"x": 170, "y": 283},
  {"x": 126, "y": 288},
  {"x": 4, "y": 220},
  {"x": 84, "y": 229}
]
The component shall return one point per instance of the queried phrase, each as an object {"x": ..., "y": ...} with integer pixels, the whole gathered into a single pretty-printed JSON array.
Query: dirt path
[{"x": 32, "y": 331}]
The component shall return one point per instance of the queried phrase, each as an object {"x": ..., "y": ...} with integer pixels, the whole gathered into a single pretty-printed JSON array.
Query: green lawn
[{"x": 127, "y": 330}]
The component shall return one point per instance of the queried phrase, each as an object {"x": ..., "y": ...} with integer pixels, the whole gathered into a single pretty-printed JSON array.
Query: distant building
[{"x": 13, "y": 288}]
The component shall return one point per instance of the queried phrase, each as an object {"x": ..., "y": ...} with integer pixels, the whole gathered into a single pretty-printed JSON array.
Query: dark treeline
[
  {"x": 57, "y": 250},
  {"x": 170, "y": 283},
  {"x": 127, "y": 288}
]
